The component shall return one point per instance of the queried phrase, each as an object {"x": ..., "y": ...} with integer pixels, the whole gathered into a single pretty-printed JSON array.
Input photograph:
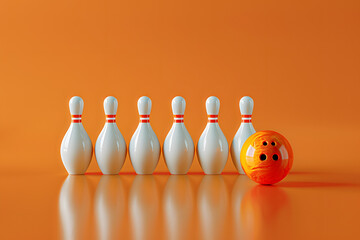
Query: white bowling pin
[
  {"x": 110, "y": 147},
  {"x": 212, "y": 148},
  {"x": 246, "y": 129},
  {"x": 178, "y": 146},
  {"x": 144, "y": 147},
  {"x": 76, "y": 147}
]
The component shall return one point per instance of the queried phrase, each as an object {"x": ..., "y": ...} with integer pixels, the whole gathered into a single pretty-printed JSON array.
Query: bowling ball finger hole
[
  {"x": 273, "y": 143},
  {"x": 262, "y": 157},
  {"x": 264, "y": 143},
  {"x": 275, "y": 157}
]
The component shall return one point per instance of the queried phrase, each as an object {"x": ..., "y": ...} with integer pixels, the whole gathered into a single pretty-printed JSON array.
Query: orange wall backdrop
[{"x": 298, "y": 60}]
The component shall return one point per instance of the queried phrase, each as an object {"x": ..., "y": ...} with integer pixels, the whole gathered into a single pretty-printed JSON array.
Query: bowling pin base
[
  {"x": 239, "y": 169},
  {"x": 72, "y": 173},
  {"x": 143, "y": 173},
  {"x": 76, "y": 172},
  {"x": 178, "y": 173}
]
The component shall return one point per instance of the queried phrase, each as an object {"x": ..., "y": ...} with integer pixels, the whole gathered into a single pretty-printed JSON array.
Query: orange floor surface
[{"x": 195, "y": 206}]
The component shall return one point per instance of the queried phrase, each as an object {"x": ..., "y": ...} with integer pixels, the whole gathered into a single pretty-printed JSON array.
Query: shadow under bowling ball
[
  {"x": 110, "y": 207},
  {"x": 265, "y": 210},
  {"x": 74, "y": 207}
]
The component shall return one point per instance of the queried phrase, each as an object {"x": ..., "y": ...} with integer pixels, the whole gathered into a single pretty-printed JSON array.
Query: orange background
[{"x": 299, "y": 61}]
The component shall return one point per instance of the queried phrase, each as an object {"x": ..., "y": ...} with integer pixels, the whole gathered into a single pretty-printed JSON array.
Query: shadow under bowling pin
[
  {"x": 144, "y": 207},
  {"x": 74, "y": 206},
  {"x": 178, "y": 207},
  {"x": 212, "y": 205},
  {"x": 110, "y": 207}
]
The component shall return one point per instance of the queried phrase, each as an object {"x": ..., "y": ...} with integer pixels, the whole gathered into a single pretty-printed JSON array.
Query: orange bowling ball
[{"x": 266, "y": 157}]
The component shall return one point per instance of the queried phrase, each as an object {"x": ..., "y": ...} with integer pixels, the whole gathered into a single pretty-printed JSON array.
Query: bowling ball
[{"x": 266, "y": 157}]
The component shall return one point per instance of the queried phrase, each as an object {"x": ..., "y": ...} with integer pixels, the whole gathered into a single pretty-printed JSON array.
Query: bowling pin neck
[
  {"x": 246, "y": 118},
  {"x": 110, "y": 118},
  {"x": 178, "y": 118},
  {"x": 144, "y": 119},
  {"x": 212, "y": 118},
  {"x": 75, "y": 118}
]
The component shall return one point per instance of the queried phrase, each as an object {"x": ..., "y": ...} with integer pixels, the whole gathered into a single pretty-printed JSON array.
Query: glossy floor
[{"x": 304, "y": 205}]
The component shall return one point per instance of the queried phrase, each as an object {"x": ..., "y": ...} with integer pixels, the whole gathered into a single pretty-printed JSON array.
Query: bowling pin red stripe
[
  {"x": 178, "y": 118},
  {"x": 213, "y": 121},
  {"x": 212, "y": 118},
  {"x": 110, "y": 118},
  {"x": 76, "y": 118},
  {"x": 144, "y": 118},
  {"x": 246, "y": 118}
]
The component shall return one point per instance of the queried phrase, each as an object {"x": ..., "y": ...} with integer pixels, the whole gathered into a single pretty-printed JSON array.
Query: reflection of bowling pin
[
  {"x": 178, "y": 207},
  {"x": 76, "y": 146},
  {"x": 74, "y": 206},
  {"x": 144, "y": 147},
  {"x": 212, "y": 148},
  {"x": 246, "y": 129},
  {"x": 144, "y": 207},
  {"x": 238, "y": 191},
  {"x": 213, "y": 204},
  {"x": 110, "y": 207},
  {"x": 178, "y": 146},
  {"x": 110, "y": 147}
]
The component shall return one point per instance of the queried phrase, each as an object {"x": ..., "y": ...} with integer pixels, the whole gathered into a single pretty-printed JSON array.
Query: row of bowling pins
[{"x": 144, "y": 148}]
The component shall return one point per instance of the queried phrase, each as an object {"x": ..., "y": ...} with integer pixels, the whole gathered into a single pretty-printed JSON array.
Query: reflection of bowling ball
[
  {"x": 264, "y": 210},
  {"x": 266, "y": 201},
  {"x": 266, "y": 157}
]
